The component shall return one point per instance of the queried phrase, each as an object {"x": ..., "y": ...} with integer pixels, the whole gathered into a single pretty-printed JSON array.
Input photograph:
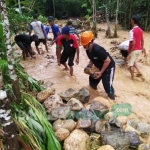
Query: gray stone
[
  {"x": 83, "y": 95},
  {"x": 59, "y": 113},
  {"x": 99, "y": 126},
  {"x": 99, "y": 108},
  {"x": 75, "y": 104},
  {"x": 118, "y": 140},
  {"x": 52, "y": 102},
  {"x": 134, "y": 139},
  {"x": 142, "y": 127},
  {"x": 48, "y": 84},
  {"x": 68, "y": 94},
  {"x": 83, "y": 123}
]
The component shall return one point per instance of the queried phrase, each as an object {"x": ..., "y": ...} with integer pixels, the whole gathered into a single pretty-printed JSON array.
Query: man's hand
[
  {"x": 51, "y": 43},
  {"x": 98, "y": 75},
  {"x": 77, "y": 61},
  {"x": 128, "y": 57}
]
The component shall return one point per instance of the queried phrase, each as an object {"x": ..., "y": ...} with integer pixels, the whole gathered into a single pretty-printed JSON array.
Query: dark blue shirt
[{"x": 55, "y": 30}]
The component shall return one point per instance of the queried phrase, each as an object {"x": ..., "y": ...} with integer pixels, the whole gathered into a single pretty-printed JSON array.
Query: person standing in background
[
  {"x": 136, "y": 45},
  {"x": 56, "y": 32},
  {"x": 39, "y": 30}
]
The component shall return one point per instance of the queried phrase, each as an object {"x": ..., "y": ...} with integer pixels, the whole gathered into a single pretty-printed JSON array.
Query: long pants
[{"x": 107, "y": 80}]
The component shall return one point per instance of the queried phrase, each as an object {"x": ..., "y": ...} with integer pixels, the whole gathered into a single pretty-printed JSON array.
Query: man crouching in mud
[
  {"x": 70, "y": 47},
  {"x": 24, "y": 42},
  {"x": 102, "y": 60}
]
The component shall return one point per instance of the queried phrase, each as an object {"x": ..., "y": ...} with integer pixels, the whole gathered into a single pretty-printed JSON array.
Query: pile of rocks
[{"x": 84, "y": 125}]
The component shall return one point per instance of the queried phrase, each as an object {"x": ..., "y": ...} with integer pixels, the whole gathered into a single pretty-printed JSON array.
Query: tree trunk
[
  {"x": 54, "y": 7},
  {"x": 19, "y": 5},
  {"x": 116, "y": 23},
  {"x": 9, "y": 128},
  {"x": 108, "y": 32},
  {"x": 146, "y": 21}
]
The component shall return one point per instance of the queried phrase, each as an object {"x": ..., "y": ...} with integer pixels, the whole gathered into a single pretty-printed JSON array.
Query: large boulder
[
  {"x": 142, "y": 127},
  {"x": 59, "y": 113},
  {"x": 118, "y": 140},
  {"x": 106, "y": 147},
  {"x": 67, "y": 124},
  {"x": 75, "y": 104},
  {"x": 76, "y": 140},
  {"x": 52, "y": 102},
  {"x": 43, "y": 95},
  {"x": 68, "y": 94},
  {"x": 134, "y": 139},
  {"x": 62, "y": 134},
  {"x": 83, "y": 95}
]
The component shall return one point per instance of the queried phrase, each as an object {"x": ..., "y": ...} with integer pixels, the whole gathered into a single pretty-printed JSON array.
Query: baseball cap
[
  {"x": 50, "y": 18},
  {"x": 35, "y": 37},
  {"x": 65, "y": 30},
  {"x": 69, "y": 23}
]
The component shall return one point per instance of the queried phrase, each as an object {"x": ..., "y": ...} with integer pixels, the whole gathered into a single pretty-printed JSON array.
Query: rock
[
  {"x": 122, "y": 119},
  {"x": 93, "y": 142},
  {"x": 118, "y": 140},
  {"x": 68, "y": 94},
  {"x": 83, "y": 123},
  {"x": 43, "y": 95},
  {"x": 109, "y": 115},
  {"x": 144, "y": 147},
  {"x": 106, "y": 147},
  {"x": 83, "y": 95},
  {"x": 62, "y": 134},
  {"x": 99, "y": 126},
  {"x": 85, "y": 114},
  {"x": 59, "y": 113},
  {"x": 128, "y": 128},
  {"x": 93, "y": 123},
  {"x": 67, "y": 124},
  {"x": 115, "y": 124},
  {"x": 134, "y": 139},
  {"x": 140, "y": 126},
  {"x": 103, "y": 101},
  {"x": 48, "y": 84},
  {"x": 52, "y": 102},
  {"x": 99, "y": 109},
  {"x": 76, "y": 140},
  {"x": 75, "y": 104}
]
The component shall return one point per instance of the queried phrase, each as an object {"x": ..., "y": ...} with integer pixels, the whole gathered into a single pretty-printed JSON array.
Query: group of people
[{"x": 67, "y": 46}]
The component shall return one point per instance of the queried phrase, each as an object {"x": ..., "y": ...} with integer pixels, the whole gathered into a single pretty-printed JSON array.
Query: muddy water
[{"x": 127, "y": 91}]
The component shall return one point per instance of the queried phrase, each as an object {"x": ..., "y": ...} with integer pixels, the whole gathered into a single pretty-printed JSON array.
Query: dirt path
[{"x": 127, "y": 91}]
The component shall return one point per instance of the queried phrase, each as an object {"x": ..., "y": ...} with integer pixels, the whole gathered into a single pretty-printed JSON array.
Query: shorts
[
  {"x": 134, "y": 55},
  {"x": 23, "y": 46},
  {"x": 124, "y": 53},
  {"x": 39, "y": 41},
  {"x": 65, "y": 56}
]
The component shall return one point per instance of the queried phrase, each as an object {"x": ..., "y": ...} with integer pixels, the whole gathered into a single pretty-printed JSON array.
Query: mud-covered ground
[{"x": 137, "y": 92}]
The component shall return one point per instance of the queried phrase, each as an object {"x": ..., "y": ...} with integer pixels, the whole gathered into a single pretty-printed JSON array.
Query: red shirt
[
  {"x": 72, "y": 41},
  {"x": 136, "y": 35}
]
